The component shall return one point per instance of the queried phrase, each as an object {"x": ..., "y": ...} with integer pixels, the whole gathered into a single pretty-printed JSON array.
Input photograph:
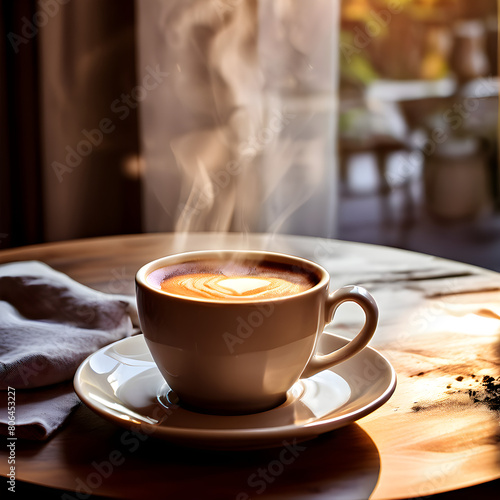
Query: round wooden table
[{"x": 439, "y": 327}]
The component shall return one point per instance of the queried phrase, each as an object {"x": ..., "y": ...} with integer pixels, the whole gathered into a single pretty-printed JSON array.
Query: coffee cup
[{"x": 232, "y": 331}]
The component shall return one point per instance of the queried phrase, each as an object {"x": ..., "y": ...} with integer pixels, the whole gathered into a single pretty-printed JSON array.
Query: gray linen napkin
[{"x": 49, "y": 324}]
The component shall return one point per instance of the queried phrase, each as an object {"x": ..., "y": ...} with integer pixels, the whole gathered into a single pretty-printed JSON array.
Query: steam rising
[{"x": 240, "y": 137}]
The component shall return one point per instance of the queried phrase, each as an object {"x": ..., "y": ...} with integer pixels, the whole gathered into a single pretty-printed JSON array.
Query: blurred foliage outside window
[{"x": 407, "y": 39}]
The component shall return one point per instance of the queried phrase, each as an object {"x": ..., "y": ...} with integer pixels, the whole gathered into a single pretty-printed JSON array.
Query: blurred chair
[{"x": 371, "y": 126}]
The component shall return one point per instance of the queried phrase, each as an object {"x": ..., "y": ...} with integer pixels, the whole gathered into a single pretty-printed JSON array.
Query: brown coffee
[{"x": 217, "y": 280}]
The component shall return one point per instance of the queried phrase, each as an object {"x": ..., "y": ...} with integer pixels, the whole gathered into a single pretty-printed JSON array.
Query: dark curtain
[
  {"x": 21, "y": 205},
  {"x": 43, "y": 48}
]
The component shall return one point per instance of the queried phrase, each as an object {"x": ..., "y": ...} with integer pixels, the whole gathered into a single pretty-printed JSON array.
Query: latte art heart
[
  {"x": 232, "y": 280},
  {"x": 222, "y": 287}
]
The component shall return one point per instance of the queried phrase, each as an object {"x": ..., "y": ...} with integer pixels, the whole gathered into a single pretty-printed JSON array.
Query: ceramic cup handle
[{"x": 346, "y": 294}]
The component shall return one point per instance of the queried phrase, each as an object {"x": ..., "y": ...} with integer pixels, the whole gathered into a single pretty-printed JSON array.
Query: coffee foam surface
[{"x": 231, "y": 281}]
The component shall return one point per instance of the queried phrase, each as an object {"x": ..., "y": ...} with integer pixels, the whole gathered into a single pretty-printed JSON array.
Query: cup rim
[{"x": 146, "y": 269}]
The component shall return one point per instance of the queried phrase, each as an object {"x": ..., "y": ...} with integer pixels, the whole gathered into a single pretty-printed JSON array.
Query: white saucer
[{"x": 121, "y": 383}]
